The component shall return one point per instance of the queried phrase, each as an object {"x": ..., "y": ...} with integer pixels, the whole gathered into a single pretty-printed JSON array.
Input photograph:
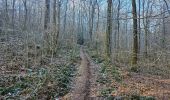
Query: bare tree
[
  {"x": 135, "y": 33},
  {"x": 139, "y": 26},
  {"x": 58, "y": 20},
  {"x": 109, "y": 29},
  {"x": 91, "y": 17},
  {"x": 46, "y": 25},
  {"x": 26, "y": 14},
  {"x": 13, "y": 14},
  {"x": 65, "y": 16}
]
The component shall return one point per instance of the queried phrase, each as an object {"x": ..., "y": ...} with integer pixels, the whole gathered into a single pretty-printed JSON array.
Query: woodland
[{"x": 84, "y": 49}]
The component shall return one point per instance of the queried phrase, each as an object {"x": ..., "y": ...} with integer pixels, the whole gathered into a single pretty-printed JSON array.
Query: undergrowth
[
  {"x": 109, "y": 74},
  {"x": 45, "y": 81}
]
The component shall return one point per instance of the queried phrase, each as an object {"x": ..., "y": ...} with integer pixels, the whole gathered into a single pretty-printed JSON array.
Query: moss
[
  {"x": 134, "y": 69},
  {"x": 138, "y": 97},
  {"x": 14, "y": 89},
  {"x": 107, "y": 91}
]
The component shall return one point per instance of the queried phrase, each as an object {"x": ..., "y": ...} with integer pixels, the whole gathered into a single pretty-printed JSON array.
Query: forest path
[
  {"x": 84, "y": 85},
  {"x": 81, "y": 86}
]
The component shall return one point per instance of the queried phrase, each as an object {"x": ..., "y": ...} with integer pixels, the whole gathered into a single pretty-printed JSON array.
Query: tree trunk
[
  {"x": 26, "y": 14},
  {"x": 65, "y": 18},
  {"x": 135, "y": 33},
  {"x": 139, "y": 30},
  {"x": 109, "y": 29},
  {"x": 47, "y": 14},
  {"x": 145, "y": 24},
  {"x": 91, "y": 19},
  {"x": 54, "y": 16},
  {"x": 53, "y": 37},
  {"x": 6, "y": 12},
  {"x": 118, "y": 29},
  {"x": 73, "y": 28},
  {"x": 46, "y": 26},
  {"x": 13, "y": 14},
  {"x": 58, "y": 20}
]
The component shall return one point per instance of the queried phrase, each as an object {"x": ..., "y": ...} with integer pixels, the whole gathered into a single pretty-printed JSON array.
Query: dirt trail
[
  {"x": 82, "y": 83},
  {"x": 85, "y": 86}
]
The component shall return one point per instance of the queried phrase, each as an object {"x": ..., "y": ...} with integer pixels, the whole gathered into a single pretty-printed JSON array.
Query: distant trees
[{"x": 96, "y": 23}]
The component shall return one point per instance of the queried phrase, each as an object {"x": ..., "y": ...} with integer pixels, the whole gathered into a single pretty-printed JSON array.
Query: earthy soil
[{"x": 84, "y": 85}]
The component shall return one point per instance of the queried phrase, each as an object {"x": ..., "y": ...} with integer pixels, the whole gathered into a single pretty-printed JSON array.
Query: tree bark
[
  {"x": 139, "y": 30},
  {"x": 65, "y": 17},
  {"x": 26, "y": 14},
  {"x": 46, "y": 26},
  {"x": 13, "y": 14},
  {"x": 54, "y": 16},
  {"x": 91, "y": 19},
  {"x": 58, "y": 20},
  {"x": 135, "y": 33},
  {"x": 109, "y": 29}
]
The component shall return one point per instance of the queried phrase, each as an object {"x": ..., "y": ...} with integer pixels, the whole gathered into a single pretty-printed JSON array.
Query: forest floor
[
  {"x": 144, "y": 85},
  {"x": 27, "y": 74},
  {"x": 121, "y": 84},
  {"x": 89, "y": 78},
  {"x": 137, "y": 85}
]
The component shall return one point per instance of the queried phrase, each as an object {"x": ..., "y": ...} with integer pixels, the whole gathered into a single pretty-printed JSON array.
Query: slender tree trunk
[
  {"x": 6, "y": 12},
  {"x": 65, "y": 18},
  {"x": 118, "y": 29},
  {"x": 91, "y": 14},
  {"x": 19, "y": 13},
  {"x": 54, "y": 16},
  {"x": 73, "y": 18},
  {"x": 139, "y": 30},
  {"x": 145, "y": 24},
  {"x": 135, "y": 33},
  {"x": 118, "y": 26},
  {"x": 58, "y": 20},
  {"x": 26, "y": 14},
  {"x": 46, "y": 26},
  {"x": 109, "y": 29},
  {"x": 164, "y": 28},
  {"x": 53, "y": 37},
  {"x": 97, "y": 27},
  {"x": 47, "y": 14},
  {"x": 13, "y": 14}
]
